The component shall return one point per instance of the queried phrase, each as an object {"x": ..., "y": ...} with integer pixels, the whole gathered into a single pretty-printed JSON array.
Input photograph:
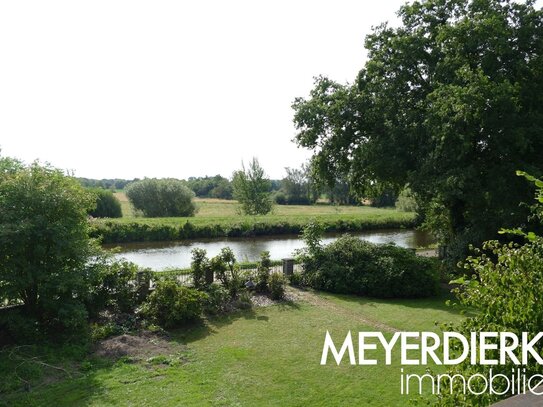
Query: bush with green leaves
[
  {"x": 503, "y": 283},
  {"x": 277, "y": 285},
  {"x": 296, "y": 279},
  {"x": 115, "y": 287},
  {"x": 161, "y": 197},
  {"x": 353, "y": 266},
  {"x": 263, "y": 272},
  {"x": 504, "y": 289},
  {"x": 107, "y": 205},
  {"x": 45, "y": 249},
  {"x": 171, "y": 304},
  {"x": 218, "y": 298},
  {"x": 199, "y": 266},
  {"x": 227, "y": 271}
]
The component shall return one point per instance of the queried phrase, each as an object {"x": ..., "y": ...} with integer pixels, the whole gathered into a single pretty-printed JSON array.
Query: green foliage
[
  {"x": 113, "y": 288},
  {"x": 277, "y": 283},
  {"x": 504, "y": 288},
  {"x": 298, "y": 187},
  {"x": 211, "y": 187},
  {"x": 171, "y": 304},
  {"x": 227, "y": 271},
  {"x": 406, "y": 201},
  {"x": 252, "y": 189},
  {"x": 107, "y": 205},
  {"x": 198, "y": 266},
  {"x": 263, "y": 272},
  {"x": 503, "y": 284},
  {"x": 449, "y": 102},
  {"x": 9, "y": 166},
  {"x": 384, "y": 198},
  {"x": 161, "y": 197},
  {"x": 45, "y": 250},
  {"x": 280, "y": 198},
  {"x": 218, "y": 298},
  {"x": 296, "y": 279},
  {"x": 351, "y": 265},
  {"x": 110, "y": 184},
  {"x": 287, "y": 220}
]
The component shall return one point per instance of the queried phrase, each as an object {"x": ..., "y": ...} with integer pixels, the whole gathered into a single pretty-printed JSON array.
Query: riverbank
[{"x": 220, "y": 218}]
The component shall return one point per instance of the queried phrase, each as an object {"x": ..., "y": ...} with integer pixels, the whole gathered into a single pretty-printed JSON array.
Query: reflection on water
[{"x": 161, "y": 255}]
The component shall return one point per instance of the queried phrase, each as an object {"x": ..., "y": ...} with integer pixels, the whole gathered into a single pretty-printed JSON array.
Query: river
[{"x": 163, "y": 255}]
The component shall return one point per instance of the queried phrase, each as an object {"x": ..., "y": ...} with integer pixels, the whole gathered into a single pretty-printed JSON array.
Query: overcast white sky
[{"x": 124, "y": 89}]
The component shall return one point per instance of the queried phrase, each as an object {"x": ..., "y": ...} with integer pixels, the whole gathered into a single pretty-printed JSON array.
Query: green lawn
[{"x": 267, "y": 356}]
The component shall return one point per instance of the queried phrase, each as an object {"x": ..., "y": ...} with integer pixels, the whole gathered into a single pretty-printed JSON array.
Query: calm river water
[{"x": 162, "y": 255}]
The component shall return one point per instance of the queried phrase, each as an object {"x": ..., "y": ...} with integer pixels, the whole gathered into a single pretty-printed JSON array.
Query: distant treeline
[
  {"x": 114, "y": 183},
  {"x": 297, "y": 188},
  {"x": 203, "y": 187}
]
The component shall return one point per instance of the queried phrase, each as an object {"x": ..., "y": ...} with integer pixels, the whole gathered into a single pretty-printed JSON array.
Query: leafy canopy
[{"x": 451, "y": 103}]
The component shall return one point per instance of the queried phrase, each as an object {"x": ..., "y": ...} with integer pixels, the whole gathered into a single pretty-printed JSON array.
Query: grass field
[
  {"x": 267, "y": 356},
  {"x": 222, "y": 208},
  {"x": 219, "y": 218}
]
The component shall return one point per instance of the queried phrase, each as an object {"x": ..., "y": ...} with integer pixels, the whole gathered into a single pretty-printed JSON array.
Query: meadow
[
  {"x": 259, "y": 357},
  {"x": 222, "y": 218}
]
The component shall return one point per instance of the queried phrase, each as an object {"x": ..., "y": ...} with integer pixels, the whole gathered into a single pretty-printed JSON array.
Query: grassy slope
[{"x": 264, "y": 357}]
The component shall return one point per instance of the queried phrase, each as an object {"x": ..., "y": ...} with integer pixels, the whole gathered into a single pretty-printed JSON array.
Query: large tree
[{"x": 451, "y": 103}]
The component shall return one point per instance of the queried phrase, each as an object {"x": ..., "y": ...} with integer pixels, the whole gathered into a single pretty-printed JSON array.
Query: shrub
[
  {"x": 277, "y": 286},
  {"x": 199, "y": 266},
  {"x": 263, "y": 272},
  {"x": 227, "y": 271},
  {"x": 244, "y": 301},
  {"x": 406, "y": 201},
  {"x": 114, "y": 287},
  {"x": 45, "y": 247},
  {"x": 351, "y": 265},
  {"x": 161, "y": 197},
  {"x": 295, "y": 279},
  {"x": 280, "y": 198},
  {"x": 503, "y": 286},
  {"x": 107, "y": 205},
  {"x": 217, "y": 299},
  {"x": 172, "y": 304}
]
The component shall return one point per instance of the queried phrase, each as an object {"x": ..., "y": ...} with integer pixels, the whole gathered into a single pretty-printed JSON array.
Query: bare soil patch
[{"x": 141, "y": 345}]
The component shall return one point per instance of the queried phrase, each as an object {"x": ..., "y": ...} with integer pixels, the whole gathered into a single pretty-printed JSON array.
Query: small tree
[
  {"x": 252, "y": 189},
  {"x": 161, "y": 197},
  {"x": 107, "y": 205},
  {"x": 45, "y": 246}
]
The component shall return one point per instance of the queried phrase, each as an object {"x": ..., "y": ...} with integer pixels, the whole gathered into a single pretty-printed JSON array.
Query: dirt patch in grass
[{"x": 137, "y": 346}]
